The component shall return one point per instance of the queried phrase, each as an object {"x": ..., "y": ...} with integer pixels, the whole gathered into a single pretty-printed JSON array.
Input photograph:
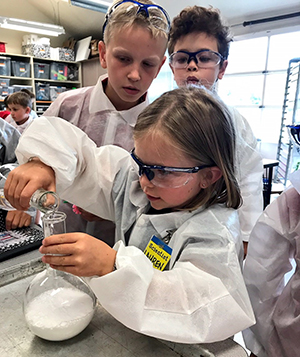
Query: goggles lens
[
  {"x": 164, "y": 176},
  {"x": 202, "y": 58},
  {"x": 157, "y": 15}
]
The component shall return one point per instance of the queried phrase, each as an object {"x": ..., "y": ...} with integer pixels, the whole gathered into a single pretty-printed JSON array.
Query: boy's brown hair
[
  {"x": 19, "y": 98},
  {"x": 200, "y": 19}
]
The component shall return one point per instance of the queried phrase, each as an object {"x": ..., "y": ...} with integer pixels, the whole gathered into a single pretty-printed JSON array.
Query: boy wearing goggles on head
[
  {"x": 198, "y": 48},
  {"x": 273, "y": 245},
  {"x": 132, "y": 52},
  {"x": 175, "y": 270}
]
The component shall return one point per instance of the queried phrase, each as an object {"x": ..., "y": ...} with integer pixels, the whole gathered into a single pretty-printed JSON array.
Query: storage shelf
[
  {"x": 55, "y": 81},
  {"x": 32, "y": 81}
]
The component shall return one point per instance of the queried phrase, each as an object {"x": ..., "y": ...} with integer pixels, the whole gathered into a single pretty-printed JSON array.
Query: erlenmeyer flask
[
  {"x": 57, "y": 305},
  {"x": 43, "y": 200}
]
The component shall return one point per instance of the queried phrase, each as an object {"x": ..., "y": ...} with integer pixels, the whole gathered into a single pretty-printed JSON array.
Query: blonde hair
[
  {"x": 200, "y": 125},
  {"x": 125, "y": 16}
]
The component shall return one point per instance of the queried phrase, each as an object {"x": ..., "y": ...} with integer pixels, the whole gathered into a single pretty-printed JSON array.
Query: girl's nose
[{"x": 144, "y": 181}]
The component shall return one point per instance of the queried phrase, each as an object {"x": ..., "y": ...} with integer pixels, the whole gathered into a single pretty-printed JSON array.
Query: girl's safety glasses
[
  {"x": 157, "y": 15},
  {"x": 165, "y": 176},
  {"x": 203, "y": 59}
]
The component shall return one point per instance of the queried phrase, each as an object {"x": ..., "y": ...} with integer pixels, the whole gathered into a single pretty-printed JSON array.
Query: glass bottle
[
  {"x": 57, "y": 305},
  {"x": 43, "y": 200}
]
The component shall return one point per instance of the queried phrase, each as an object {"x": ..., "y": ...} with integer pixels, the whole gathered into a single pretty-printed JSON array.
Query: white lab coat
[
  {"x": 274, "y": 241},
  {"x": 21, "y": 128},
  {"x": 249, "y": 173},
  {"x": 90, "y": 109},
  {"x": 202, "y": 297},
  {"x": 9, "y": 137}
]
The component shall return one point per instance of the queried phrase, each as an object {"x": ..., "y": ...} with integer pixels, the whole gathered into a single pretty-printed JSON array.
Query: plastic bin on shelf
[
  {"x": 4, "y": 82},
  {"x": 41, "y": 108},
  {"x": 5, "y": 91},
  {"x": 42, "y": 91},
  {"x": 55, "y": 91},
  {"x": 5, "y": 66},
  {"x": 59, "y": 71},
  {"x": 18, "y": 87},
  {"x": 72, "y": 72},
  {"x": 41, "y": 70},
  {"x": 20, "y": 69}
]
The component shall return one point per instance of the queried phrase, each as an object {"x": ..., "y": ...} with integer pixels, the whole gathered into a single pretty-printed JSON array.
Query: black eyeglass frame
[
  {"x": 192, "y": 56},
  {"x": 141, "y": 7},
  {"x": 146, "y": 169}
]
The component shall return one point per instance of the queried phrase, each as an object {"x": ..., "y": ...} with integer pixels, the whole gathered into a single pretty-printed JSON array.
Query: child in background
[
  {"x": 198, "y": 48},
  {"x": 9, "y": 139},
  {"x": 133, "y": 51},
  {"x": 273, "y": 243},
  {"x": 19, "y": 104},
  {"x": 173, "y": 200},
  {"x": 32, "y": 96},
  {"x": 4, "y": 113}
]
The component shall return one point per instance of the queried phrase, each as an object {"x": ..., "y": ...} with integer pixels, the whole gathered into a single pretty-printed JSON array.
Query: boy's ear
[
  {"x": 102, "y": 54},
  {"x": 223, "y": 69},
  {"x": 28, "y": 110},
  {"x": 162, "y": 63},
  {"x": 211, "y": 175}
]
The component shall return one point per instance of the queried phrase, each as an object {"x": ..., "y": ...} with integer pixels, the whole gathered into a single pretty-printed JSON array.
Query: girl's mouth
[{"x": 151, "y": 198}]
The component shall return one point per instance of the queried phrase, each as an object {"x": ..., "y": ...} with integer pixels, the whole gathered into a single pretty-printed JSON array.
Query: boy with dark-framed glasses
[{"x": 198, "y": 48}]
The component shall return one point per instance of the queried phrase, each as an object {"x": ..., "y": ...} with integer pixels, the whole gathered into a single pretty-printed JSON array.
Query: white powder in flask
[{"x": 59, "y": 314}]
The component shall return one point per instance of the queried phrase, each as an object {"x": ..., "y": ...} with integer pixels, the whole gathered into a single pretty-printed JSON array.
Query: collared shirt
[
  {"x": 90, "y": 110},
  {"x": 21, "y": 127}
]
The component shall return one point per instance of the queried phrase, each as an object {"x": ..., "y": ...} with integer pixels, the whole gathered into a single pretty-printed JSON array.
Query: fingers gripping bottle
[{"x": 43, "y": 200}]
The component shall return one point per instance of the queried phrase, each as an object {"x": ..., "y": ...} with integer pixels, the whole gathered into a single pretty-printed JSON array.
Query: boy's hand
[
  {"x": 25, "y": 179},
  {"x": 17, "y": 219},
  {"x": 79, "y": 254}
]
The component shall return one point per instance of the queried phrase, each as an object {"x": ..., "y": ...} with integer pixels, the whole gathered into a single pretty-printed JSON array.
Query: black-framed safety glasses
[
  {"x": 204, "y": 58},
  {"x": 166, "y": 176}
]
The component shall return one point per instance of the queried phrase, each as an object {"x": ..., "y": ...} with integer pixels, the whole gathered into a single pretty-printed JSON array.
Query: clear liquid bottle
[{"x": 42, "y": 200}]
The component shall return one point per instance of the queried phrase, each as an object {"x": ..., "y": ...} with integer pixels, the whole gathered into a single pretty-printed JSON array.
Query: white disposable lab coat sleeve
[
  {"x": 273, "y": 242},
  {"x": 202, "y": 299},
  {"x": 67, "y": 154},
  {"x": 249, "y": 167},
  {"x": 187, "y": 304}
]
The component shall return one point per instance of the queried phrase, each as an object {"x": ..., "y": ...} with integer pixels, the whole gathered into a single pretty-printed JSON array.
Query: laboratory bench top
[{"x": 104, "y": 336}]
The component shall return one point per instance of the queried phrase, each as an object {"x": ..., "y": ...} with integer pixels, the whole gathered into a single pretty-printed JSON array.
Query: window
[{"x": 255, "y": 80}]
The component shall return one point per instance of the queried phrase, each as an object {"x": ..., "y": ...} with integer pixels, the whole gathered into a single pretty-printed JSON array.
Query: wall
[
  {"x": 13, "y": 39},
  {"x": 91, "y": 70}
]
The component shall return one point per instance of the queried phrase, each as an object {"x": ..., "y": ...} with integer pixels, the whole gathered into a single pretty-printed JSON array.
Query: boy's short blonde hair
[{"x": 125, "y": 16}]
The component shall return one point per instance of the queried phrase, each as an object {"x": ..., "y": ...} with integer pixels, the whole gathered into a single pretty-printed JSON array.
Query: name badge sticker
[{"x": 158, "y": 252}]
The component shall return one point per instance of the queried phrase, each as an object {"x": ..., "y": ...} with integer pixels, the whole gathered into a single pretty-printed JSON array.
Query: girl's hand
[
  {"x": 17, "y": 219},
  {"x": 79, "y": 254},
  {"x": 25, "y": 179}
]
